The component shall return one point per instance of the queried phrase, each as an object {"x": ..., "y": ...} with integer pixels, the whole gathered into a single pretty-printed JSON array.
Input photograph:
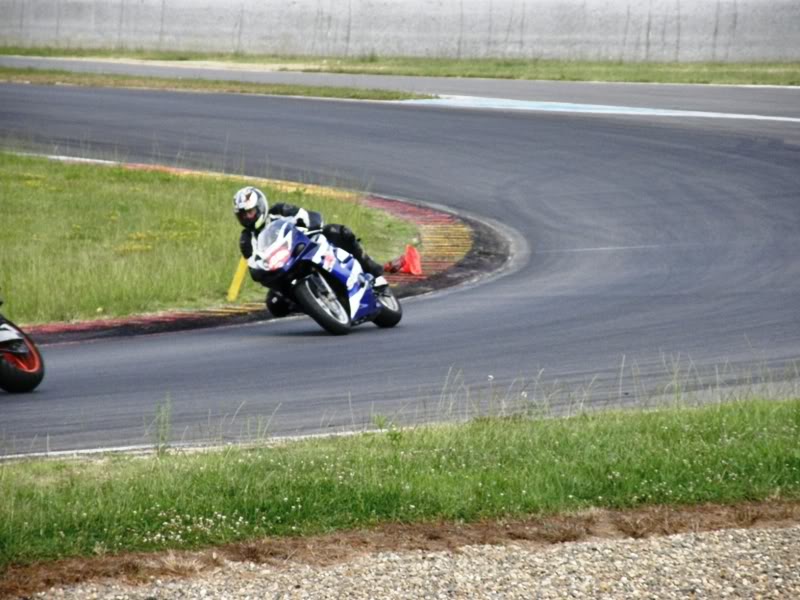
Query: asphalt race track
[{"x": 653, "y": 256}]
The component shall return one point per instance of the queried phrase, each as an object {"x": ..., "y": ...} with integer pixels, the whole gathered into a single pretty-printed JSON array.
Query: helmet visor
[{"x": 248, "y": 217}]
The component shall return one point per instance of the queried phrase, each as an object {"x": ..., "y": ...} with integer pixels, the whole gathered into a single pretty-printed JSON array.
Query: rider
[{"x": 253, "y": 212}]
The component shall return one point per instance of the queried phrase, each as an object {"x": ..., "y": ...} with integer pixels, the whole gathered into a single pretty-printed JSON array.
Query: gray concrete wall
[{"x": 629, "y": 30}]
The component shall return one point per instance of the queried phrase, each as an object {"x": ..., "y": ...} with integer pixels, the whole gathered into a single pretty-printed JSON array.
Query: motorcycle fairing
[
  {"x": 8, "y": 334},
  {"x": 348, "y": 270},
  {"x": 341, "y": 265},
  {"x": 273, "y": 249}
]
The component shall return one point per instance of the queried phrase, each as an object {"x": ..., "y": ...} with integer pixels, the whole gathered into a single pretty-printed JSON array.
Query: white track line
[{"x": 473, "y": 102}]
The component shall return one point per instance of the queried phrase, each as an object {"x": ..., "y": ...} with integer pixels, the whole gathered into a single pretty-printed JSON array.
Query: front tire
[
  {"x": 321, "y": 303},
  {"x": 22, "y": 370},
  {"x": 391, "y": 311}
]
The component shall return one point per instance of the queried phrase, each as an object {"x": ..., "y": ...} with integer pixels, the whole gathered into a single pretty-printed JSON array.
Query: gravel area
[{"x": 728, "y": 563}]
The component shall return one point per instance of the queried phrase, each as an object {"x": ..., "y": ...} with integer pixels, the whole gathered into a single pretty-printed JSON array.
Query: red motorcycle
[{"x": 21, "y": 364}]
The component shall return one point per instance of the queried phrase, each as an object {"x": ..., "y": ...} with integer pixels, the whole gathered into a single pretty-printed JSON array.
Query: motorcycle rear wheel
[
  {"x": 21, "y": 372},
  {"x": 391, "y": 311},
  {"x": 321, "y": 303}
]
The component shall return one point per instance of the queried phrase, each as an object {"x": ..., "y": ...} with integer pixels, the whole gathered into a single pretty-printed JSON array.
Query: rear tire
[
  {"x": 321, "y": 303},
  {"x": 391, "y": 311},
  {"x": 21, "y": 373}
]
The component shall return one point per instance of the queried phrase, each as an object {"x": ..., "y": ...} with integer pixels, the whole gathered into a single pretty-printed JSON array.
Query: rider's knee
[{"x": 341, "y": 235}]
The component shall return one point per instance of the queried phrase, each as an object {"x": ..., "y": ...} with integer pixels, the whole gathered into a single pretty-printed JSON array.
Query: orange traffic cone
[{"x": 410, "y": 263}]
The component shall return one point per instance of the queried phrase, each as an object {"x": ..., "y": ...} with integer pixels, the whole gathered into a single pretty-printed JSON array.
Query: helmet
[{"x": 250, "y": 207}]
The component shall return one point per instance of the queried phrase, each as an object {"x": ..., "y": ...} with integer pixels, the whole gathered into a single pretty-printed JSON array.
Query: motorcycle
[
  {"x": 21, "y": 364},
  {"x": 326, "y": 282}
]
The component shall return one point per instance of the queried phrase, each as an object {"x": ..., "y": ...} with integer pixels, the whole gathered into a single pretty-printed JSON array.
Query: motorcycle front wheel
[
  {"x": 321, "y": 303},
  {"x": 21, "y": 365}
]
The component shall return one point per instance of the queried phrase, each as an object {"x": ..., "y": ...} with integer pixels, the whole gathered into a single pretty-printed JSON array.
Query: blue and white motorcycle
[
  {"x": 327, "y": 282},
  {"x": 21, "y": 364}
]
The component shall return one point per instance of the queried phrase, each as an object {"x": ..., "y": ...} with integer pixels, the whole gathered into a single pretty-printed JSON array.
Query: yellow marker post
[{"x": 238, "y": 278}]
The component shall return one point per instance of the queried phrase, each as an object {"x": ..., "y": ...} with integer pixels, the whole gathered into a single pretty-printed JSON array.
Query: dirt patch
[{"x": 24, "y": 581}]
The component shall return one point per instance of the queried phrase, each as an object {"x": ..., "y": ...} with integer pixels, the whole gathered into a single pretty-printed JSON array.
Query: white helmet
[{"x": 250, "y": 207}]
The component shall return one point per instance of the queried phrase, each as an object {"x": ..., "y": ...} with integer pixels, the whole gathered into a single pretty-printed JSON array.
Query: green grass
[
  {"x": 81, "y": 241},
  {"x": 758, "y": 73},
  {"x": 58, "y": 77},
  {"x": 488, "y": 468},
  {"x": 553, "y": 70}
]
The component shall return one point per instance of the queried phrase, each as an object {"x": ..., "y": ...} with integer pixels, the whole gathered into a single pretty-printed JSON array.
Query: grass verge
[
  {"x": 758, "y": 73},
  {"x": 85, "y": 241},
  {"x": 57, "y": 77},
  {"x": 718, "y": 73},
  {"x": 488, "y": 468}
]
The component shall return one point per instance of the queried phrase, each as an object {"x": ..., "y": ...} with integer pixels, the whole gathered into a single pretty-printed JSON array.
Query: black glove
[{"x": 246, "y": 243}]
